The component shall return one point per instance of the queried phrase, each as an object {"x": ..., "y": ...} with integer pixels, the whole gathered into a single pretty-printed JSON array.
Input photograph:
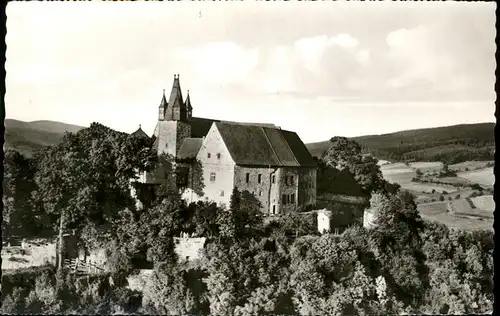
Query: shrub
[
  {"x": 445, "y": 192},
  {"x": 441, "y": 198},
  {"x": 457, "y": 197}
]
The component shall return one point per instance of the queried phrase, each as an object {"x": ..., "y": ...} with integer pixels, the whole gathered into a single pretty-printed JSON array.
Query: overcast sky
[{"x": 320, "y": 69}]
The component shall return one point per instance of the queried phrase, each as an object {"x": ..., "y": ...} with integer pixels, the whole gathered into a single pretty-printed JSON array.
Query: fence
[{"x": 79, "y": 267}]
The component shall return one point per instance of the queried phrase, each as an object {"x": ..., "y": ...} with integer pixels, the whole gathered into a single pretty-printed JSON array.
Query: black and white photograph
[{"x": 249, "y": 158}]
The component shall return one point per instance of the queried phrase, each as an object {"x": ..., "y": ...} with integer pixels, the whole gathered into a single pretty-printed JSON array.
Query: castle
[{"x": 216, "y": 156}]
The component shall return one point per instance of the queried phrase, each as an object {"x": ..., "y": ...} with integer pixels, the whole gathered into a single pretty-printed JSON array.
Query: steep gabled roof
[
  {"x": 299, "y": 149},
  {"x": 189, "y": 148},
  {"x": 200, "y": 126},
  {"x": 259, "y": 145}
]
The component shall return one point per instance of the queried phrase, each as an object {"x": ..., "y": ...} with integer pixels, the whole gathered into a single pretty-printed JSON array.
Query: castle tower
[{"x": 173, "y": 121}]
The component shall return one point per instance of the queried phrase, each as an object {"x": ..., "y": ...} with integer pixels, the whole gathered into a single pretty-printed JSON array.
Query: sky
[{"x": 321, "y": 69}]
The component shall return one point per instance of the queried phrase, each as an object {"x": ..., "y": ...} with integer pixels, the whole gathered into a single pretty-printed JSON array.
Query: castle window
[
  {"x": 283, "y": 199},
  {"x": 248, "y": 177},
  {"x": 273, "y": 178},
  {"x": 221, "y": 192},
  {"x": 218, "y": 156},
  {"x": 286, "y": 180},
  {"x": 212, "y": 176},
  {"x": 209, "y": 155},
  {"x": 259, "y": 179},
  {"x": 291, "y": 180},
  {"x": 292, "y": 199},
  {"x": 260, "y": 193}
]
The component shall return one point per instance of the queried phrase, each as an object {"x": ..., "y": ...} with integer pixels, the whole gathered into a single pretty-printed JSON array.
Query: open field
[
  {"x": 428, "y": 187},
  {"x": 482, "y": 176},
  {"x": 434, "y": 166},
  {"x": 438, "y": 212},
  {"x": 453, "y": 180},
  {"x": 428, "y": 197},
  {"x": 36, "y": 253},
  {"x": 397, "y": 173},
  {"x": 382, "y": 162},
  {"x": 484, "y": 202},
  {"x": 470, "y": 165}
]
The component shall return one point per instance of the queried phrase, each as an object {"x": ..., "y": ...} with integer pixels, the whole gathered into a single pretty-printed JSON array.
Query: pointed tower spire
[
  {"x": 189, "y": 107},
  {"x": 163, "y": 102},
  {"x": 176, "y": 110}
]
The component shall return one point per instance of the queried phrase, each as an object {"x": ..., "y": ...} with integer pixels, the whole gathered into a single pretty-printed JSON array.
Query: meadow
[
  {"x": 468, "y": 213},
  {"x": 470, "y": 165},
  {"x": 483, "y": 177},
  {"x": 438, "y": 212}
]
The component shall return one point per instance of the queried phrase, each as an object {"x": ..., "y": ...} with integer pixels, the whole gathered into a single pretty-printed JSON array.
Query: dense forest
[
  {"x": 249, "y": 265},
  {"x": 451, "y": 144}
]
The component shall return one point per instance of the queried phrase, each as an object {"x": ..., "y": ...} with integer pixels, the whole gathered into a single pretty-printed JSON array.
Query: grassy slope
[
  {"x": 428, "y": 142},
  {"x": 27, "y": 137}
]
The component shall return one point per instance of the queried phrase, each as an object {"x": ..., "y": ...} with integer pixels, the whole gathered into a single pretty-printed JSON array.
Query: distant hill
[
  {"x": 28, "y": 137},
  {"x": 450, "y": 144}
]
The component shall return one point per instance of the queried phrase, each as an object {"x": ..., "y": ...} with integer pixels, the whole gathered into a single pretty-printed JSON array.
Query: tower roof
[
  {"x": 175, "y": 99},
  {"x": 188, "y": 102},
  {"x": 139, "y": 133},
  {"x": 163, "y": 103}
]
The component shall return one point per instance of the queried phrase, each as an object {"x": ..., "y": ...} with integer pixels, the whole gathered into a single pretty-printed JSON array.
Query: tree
[
  {"x": 22, "y": 213},
  {"x": 244, "y": 217},
  {"x": 86, "y": 178},
  {"x": 247, "y": 277},
  {"x": 398, "y": 241},
  {"x": 345, "y": 154},
  {"x": 166, "y": 292},
  {"x": 152, "y": 234}
]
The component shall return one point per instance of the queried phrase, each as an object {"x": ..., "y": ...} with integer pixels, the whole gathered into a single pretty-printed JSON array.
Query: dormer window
[
  {"x": 259, "y": 178},
  {"x": 218, "y": 156},
  {"x": 209, "y": 155}
]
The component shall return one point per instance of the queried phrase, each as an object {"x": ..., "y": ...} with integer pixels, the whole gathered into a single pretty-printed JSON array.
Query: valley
[{"x": 464, "y": 201}]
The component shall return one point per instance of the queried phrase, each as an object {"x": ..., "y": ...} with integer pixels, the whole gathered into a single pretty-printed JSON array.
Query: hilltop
[
  {"x": 450, "y": 144},
  {"x": 27, "y": 137}
]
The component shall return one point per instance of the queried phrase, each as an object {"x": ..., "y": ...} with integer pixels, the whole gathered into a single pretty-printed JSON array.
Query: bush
[
  {"x": 441, "y": 198},
  {"x": 457, "y": 197}
]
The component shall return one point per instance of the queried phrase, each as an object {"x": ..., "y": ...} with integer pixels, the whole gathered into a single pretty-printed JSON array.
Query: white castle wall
[
  {"x": 369, "y": 219},
  {"x": 189, "y": 248}
]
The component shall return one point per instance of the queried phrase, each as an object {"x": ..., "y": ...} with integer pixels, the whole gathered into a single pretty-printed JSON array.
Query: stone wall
[
  {"x": 369, "y": 219},
  {"x": 287, "y": 189},
  {"x": 166, "y": 131},
  {"x": 265, "y": 191},
  {"x": 183, "y": 132},
  {"x": 307, "y": 186},
  {"x": 189, "y": 248}
]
